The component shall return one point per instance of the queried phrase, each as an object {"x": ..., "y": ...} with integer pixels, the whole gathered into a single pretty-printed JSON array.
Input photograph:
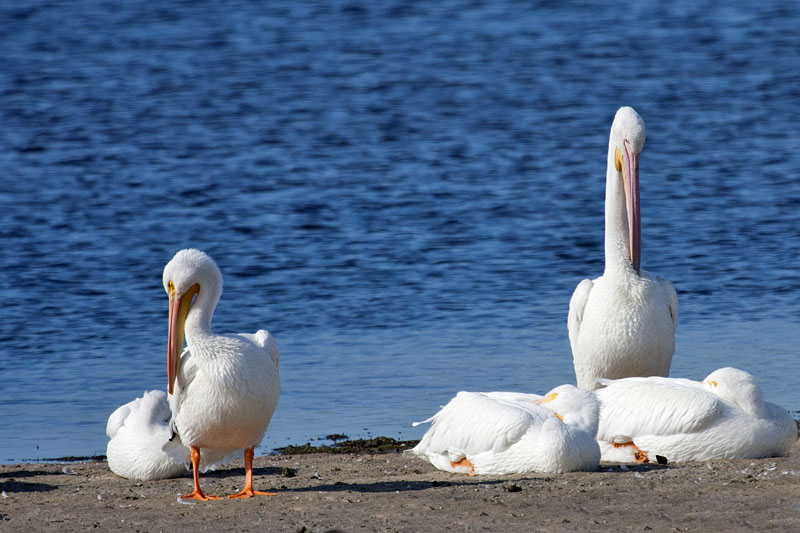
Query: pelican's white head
[
  {"x": 625, "y": 143},
  {"x": 628, "y": 130},
  {"x": 189, "y": 267},
  {"x": 577, "y": 407},
  {"x": 190, "y": 273},
  {"x": 739, "y": 388}
]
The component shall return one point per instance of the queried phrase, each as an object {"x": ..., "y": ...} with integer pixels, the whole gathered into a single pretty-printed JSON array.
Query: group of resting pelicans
[{"x": 223, "y": 389}]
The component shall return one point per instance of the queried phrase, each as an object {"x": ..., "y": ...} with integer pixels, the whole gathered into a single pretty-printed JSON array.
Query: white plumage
[
  {"x": 137, "y": 431},
  {"x": 503, "y": 433},
  {"x": 226, "y": 387},
  {"x": 722, "y": 417},
  {"x": 623, "y": 323}
]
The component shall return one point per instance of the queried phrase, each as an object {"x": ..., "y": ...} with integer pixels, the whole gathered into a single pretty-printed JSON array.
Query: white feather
[
  {"x": 502, "y": 433},
  {"x": 623, "y": 323},
  {"x": 722, "y": 417},
  {"x": 227, "y": 386},
  {"x": 137, "y": 431}
]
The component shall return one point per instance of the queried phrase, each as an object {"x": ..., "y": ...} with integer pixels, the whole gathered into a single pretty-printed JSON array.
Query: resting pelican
[
  {"x": 137, "y": 433},
  {"x": 224, "y": 388},
  {"x": 622, "y": 324},
  {"x": 722, "y": 417},
  {"x": 504, "y": 433}
]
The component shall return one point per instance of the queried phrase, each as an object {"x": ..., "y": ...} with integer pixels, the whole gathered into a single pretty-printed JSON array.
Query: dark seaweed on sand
[{"x": 375, "y": 445}]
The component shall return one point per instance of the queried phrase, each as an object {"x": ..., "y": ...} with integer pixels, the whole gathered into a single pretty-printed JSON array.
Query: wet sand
[{"x": 368, "y": 491}]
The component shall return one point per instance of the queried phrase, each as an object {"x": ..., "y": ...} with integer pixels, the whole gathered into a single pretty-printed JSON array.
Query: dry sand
[{"x": 367, "y": 491}]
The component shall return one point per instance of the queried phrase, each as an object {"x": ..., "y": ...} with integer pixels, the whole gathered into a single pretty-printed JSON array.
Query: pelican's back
[{"x": 138, "y": 430}]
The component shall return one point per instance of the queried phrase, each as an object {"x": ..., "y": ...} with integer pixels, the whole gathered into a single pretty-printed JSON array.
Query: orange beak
[
  {"x": 549, "y": 398},
  {"x": 544, "y": 399},
  {"x": 628, "y": 164},
  {"x": 178, "y": 309},
  {"x": 634, "y": 209}
]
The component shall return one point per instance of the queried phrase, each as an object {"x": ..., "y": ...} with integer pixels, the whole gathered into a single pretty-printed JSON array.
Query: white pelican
[
  {"x": 504, "y": 433},
  {"x": 137, "y": 432},
  {"x": 622, "y": 324},
  {"x": 722, "y": 417},
  {"x": 224, "y": 388}
]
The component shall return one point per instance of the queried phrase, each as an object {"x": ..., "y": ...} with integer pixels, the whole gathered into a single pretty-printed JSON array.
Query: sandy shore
[{"x": 387, "y": 492}]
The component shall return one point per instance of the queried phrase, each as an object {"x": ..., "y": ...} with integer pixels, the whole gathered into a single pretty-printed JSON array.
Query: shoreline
[
  {"x": 384, "y": 491},
  {"x": 341, "y": 444}
]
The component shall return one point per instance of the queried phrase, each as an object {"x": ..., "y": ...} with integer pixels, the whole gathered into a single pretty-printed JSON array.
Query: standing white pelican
[
  {"x": 622, "y": 324},
  {"x": 224, "y": 388},
  {"x": 722, "y": 417},
  {"x": 137, "y": 433},
  {"x": 504, "y": 433}
]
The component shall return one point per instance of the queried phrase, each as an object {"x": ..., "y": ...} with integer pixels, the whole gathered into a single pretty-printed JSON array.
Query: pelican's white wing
[
  {"x": 576, "y": 307},
  {"x": 118, "y": 417},
  {"x": 672, "y": 299},
  {"x": 188, "y": 371},
  {"x": 263, "y": 338},
  {"x": 473, "y": 423},
  {"x": 654, "y": 406},
  {"x": 525, "y": 400}
]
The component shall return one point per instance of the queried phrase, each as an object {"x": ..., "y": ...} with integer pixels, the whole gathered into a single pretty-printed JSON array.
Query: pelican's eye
[
  {"x": 712, "y": 383},
  {"x": 618, "y": 159}
]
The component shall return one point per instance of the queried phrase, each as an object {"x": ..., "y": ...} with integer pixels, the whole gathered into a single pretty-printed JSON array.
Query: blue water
[{"x": 404, "y": 194}]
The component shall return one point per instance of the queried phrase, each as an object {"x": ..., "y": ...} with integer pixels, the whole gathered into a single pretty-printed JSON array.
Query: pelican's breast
[
  {"x": 628, "y": 326},
  {"x": 229, "y": 389}
]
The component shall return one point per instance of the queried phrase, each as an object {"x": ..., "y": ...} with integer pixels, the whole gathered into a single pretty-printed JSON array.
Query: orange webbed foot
[
  {"x": 639, "y": 455},
  {"x": 248, "y": 493},
  {"x": 199, "y": 495},
  {"x": 465, "y": 463}
]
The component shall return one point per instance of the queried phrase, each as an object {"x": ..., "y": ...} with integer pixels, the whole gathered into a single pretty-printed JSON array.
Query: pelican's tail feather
[{"x": 603, "y": 382}]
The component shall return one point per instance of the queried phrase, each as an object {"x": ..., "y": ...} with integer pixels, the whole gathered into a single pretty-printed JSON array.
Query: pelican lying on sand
[
  {"x": 722, "y": 417},
  {"x": 137, "y": 431},
  {"x": 224, "y": 388},
  {"x": 504, "y": 433},
  {"x": 622, "y": 324}
]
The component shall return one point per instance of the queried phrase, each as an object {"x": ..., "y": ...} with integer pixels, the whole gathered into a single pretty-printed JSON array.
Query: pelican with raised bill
[
  {"x": 504, "y": 433},
  {"x": 722, "y": 417},
  {"x": 223, "y": 388},
  {"x": 623, "y": 323}
]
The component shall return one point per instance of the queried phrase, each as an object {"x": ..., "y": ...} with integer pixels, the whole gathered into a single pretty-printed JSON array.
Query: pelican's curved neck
[
  {"x": 198, "y": 320},
  {"x": 754, "y": 407},
  {"x": 586, "y": 419},
  {"x": 748, "y": 398},
  {"x": 617, "y": 245}
]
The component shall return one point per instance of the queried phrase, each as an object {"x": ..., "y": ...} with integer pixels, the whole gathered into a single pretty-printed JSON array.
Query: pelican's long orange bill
[
  {"x": 631, "y": 177},
  {"x": 544, "y": 399},
  {"x": 178, "y": 309}
]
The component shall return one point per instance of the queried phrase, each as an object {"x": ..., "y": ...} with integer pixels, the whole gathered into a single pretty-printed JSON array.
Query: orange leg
[
  {"x": 640, "y": 456},
  {"x": 248, "y": 491},
  {"x": 464, "y": 462},
  {"x": 197, "y": 493}
]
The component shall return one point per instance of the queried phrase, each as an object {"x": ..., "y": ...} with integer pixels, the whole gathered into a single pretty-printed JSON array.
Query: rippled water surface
[{"x": 404, "y": 194}]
